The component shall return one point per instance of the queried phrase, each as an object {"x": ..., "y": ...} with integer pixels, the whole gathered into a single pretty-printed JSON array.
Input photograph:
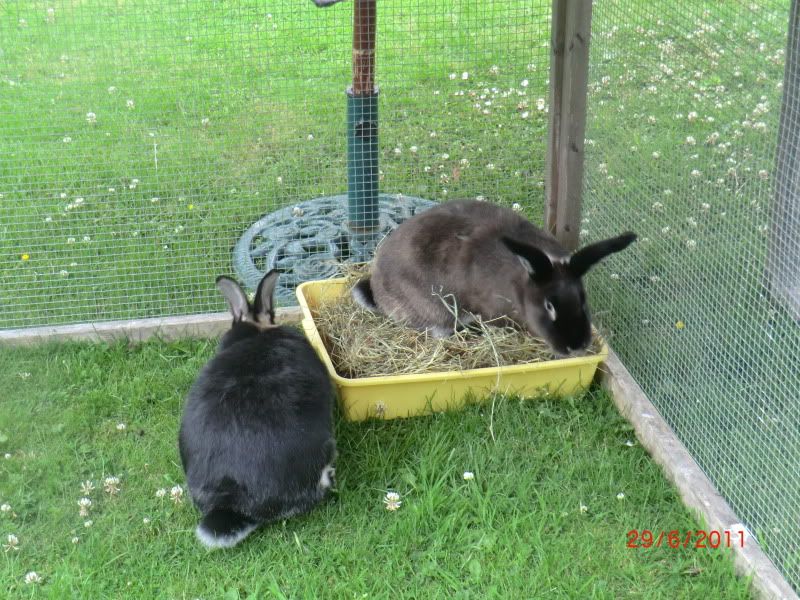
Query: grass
[{"x": 517, "y": 530}]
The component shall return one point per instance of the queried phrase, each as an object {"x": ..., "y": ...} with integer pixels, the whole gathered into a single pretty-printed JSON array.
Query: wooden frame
[{"x": 569, "y": 71}]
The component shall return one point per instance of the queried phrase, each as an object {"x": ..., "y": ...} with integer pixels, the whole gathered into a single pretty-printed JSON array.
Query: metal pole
[{"x": 362, "y": 132}]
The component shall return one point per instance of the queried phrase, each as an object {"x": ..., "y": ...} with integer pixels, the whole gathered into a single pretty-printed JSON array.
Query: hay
[{"x": 363, "y": 344}]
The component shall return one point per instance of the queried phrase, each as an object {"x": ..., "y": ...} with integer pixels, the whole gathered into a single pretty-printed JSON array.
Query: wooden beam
[
  {"x": 784, "y": 236},
  {"x": 569, "y": 72},
  {"x": 208, "y": 325}
]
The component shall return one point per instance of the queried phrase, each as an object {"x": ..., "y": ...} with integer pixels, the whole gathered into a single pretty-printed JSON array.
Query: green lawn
[{"x": 517, "y": 530}]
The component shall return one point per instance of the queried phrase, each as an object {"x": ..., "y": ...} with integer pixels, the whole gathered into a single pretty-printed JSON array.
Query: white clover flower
[
  {"x": 602, "y": 168},
  {"x": 490, "y": 166},
  {"x": 413, "y": 149},
  {"x": 87, "y": 238},
  {"x": 205, "y": 121},
  {"x": 695, "y": 173},
  {"x": 468, "y": 475},
  {"x": 620, "y": 496},
  {"x": 32, "y": 577},
  {"x": 76, "y": 539},
  {"x": 279, "y": 179},
  {"x": 12, "y": 543},
  {"x": 691, "y": 221},
  {"x": 7, "y": 455},
  {"x": 85, "y": 504},
  {"x": 516, "y": 207},
  {"x": 654, "y": 279},
  {"x": 433, "y": 134},
  {"x": 692, "y": 116},
  {"x": 657, "y": 206},
  {"x": 66, "y": 139},
  {"x": 161, "y": 492},
  {"x": 310, "y": 137},
  {"x": 91, "y": 117},
  {"x": 584, "y": 233},
  {"x": 392, "y": 501},
  {"x": 130, "y": 104},
  {"x": 494, "y": 69},
  {"x": 5, "y": 507},
  {"x": 87, "y": 487},
  {"x": 88, "y": 523},
  {"x": 691, "y": 244},
  {"x": 763, "y": 174},
  {"x": 445, "y": 156},
  {"x": 524, "y": 83},
  {"x": 540, "y": 104},
  {"x": 427, "y": 169},
  {"x": 656, "y": 154},
  {"x": 111, "y": 190},
  {"x": 480, "y": 198},
  {"x": 615, "y": 276},
  {"x": 146, "y": 521},
  {"x": 690, "y": 140},
  {"x": 121, "y": 427},
  {"x": 665, "y": 230},
  {"x": 111, "y": 485},
  {"x": 465, "y": 76},
  {"x": 630, "y": 443},
  {"x": 605, "y": 80},
  {"x": 453, "y": 76},
  {"x": 63, "y": 273},
  {"x": 525, "y": 114},
  {"x": 464, "y": 162},
  {"x": 297, "y": 211},
  {"x": 583, "y": 508},
  {"x": 176, "y": 493}
]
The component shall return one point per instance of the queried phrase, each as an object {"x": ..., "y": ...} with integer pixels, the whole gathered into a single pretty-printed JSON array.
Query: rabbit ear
[
  {"x": 583, "y": 259},
  {"x": 237, "y": 300},
  {"x": 264, "y": 302},
  {"x": 536, "y": 262}
]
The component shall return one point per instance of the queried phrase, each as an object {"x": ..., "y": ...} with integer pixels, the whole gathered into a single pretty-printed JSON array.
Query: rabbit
[
  {"x": 256, "y": 439},
  {"x": 464, "y": 257}
]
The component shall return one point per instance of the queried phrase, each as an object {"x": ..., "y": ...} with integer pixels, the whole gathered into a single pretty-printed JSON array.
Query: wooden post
[
  {"x": 783, "y": 270},
  {"x": 569, "y": 71},
  {"x": 364, "y": 18}
]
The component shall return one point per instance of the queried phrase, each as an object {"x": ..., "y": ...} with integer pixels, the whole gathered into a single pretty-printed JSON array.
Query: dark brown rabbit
[{"x": 470, "y": 258}]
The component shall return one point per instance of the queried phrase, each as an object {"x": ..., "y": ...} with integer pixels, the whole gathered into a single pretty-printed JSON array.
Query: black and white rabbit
[
  {"x": 256, "y": 437},
  {"x": 485, "y": 260}
]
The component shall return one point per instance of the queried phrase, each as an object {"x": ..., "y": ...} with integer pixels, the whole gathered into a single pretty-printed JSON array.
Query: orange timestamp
[{"x": 693, "y": 538}]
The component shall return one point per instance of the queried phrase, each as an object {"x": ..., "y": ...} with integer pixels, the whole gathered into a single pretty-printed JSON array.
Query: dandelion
[
  {"x": 85, "y": 504},
  {"x": 191, "y": 206},
  {"x": 25, "y": 257},
  {"x": 111, "y": 485},
  {"x": 12, "y": 544},
  {"x": 5, "y": 507},
  {"x": 91, "y": 117},
  {"x": 691, "y": 244},
  {"x": 32, "y": 577},
  {"x": 620, "y": 496},
  {"x": 584, "y": 509},
  {"x": 88, "y": 523},
  {"x": 392, "y": 501},
  {"x": 176, "y": 493},
  {"x": 468, "y": 475},
  {"x": 161, "y": 492},
  {"x": 130, "y": 104}
]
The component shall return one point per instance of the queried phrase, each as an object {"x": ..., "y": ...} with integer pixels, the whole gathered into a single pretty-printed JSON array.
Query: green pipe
[{"x": 362, "y": 162}]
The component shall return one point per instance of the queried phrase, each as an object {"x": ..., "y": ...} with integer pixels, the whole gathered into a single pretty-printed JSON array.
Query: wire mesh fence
[
  {"x": 140, "y": 140},
  {"x": 689, "y": 144}
]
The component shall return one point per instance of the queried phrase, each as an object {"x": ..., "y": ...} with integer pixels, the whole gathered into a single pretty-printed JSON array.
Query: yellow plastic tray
[{"x": 410, "y": 395}]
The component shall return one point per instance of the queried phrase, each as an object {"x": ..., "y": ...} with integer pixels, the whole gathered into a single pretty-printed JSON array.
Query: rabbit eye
[{"x": 551, "y": 310}]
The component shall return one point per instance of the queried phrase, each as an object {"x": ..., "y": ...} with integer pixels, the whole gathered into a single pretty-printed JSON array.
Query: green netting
[{"x": 683, "y": 138}]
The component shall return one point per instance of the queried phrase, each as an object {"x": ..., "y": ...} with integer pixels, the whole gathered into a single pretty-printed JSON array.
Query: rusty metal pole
[{"x": 362, "y": 132}]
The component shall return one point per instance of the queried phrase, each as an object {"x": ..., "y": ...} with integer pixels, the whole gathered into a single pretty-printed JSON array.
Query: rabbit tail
[{"x": 224, "y": 528}]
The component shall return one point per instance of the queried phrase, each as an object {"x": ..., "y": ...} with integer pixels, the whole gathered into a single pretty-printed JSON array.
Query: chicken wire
[
  {"x": 692, "y": 141},
  {"x": 140, "y": 140}
]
